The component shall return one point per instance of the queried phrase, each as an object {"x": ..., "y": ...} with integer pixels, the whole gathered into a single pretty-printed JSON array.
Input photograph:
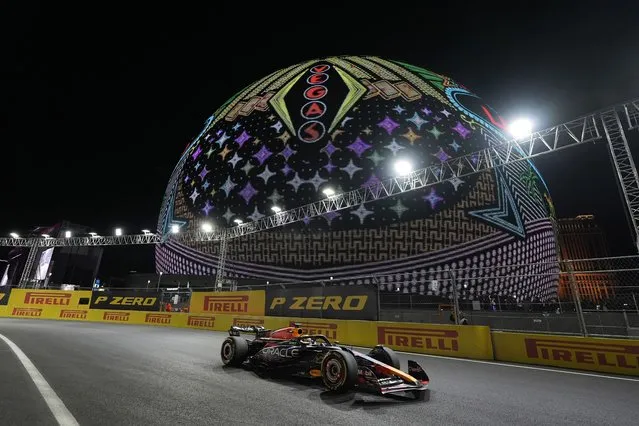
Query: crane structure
[{"x": 610, "y": 123}]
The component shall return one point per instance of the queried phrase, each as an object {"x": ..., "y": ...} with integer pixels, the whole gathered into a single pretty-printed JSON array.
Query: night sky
[{"x": 98, "y": 104}]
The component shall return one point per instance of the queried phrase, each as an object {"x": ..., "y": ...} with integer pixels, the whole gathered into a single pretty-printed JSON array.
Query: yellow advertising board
[
  {"x": 618, "y": 356},
  {"x": 228, "y": 303},
  {"x": 3, "y": 311},
  {"x": 48, "y": 304},
  {"x": 463, "y": 341}
]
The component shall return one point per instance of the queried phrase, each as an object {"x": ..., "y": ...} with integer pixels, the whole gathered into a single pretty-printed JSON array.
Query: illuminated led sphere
[{"x": 344, "y": 123}]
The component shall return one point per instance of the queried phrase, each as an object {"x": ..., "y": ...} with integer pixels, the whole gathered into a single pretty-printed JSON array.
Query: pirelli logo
[
  {"x": 26, "y": 312},
  {"x": 226, "y": 304},
  {"x": 584, "y": 353},
  {"x": 419, "y": 338},
  {"x": 201, "y": 322},
  {"x": 76, "y": 314},
  {"x": 116, "y": 316},
  {"x": 47, "y": 298},
  {"x": 247, "y": 322},
  {"x": 158, "y": 319},
  {"x": 308, "y": 327}
]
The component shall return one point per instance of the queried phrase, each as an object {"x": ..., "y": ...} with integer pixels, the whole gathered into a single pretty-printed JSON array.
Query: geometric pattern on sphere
[{"x": 343, "y": 122}]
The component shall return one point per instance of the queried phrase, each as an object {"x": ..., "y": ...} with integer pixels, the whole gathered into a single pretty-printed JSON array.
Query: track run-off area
[{"x": 101, "y": 374}]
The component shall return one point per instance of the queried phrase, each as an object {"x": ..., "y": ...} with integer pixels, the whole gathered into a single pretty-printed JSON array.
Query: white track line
[
  {"x": 55, "y": 404},
  {"x": 526, "y": 367}
]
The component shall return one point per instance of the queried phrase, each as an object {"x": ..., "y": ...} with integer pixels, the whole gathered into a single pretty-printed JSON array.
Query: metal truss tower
[{"x": 589, "y": 128}]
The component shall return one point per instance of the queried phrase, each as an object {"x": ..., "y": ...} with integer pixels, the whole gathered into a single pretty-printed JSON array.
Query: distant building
[{"x": 582, "y": 238}]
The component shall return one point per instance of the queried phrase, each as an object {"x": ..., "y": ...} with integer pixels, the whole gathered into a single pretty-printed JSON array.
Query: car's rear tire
[
  {"x": 339, "y": 371},
  {"x": 234, "y": 351},
  {"x": 385, "y": 355}
]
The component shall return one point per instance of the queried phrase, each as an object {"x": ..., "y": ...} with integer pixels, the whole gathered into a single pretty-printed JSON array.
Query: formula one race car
[{"x": 291, "y": 352}]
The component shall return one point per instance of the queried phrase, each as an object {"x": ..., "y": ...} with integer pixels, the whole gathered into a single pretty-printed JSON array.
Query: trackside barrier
[
  {"x": 594, "y": 354},
  {"x": 228, "y": 303}
]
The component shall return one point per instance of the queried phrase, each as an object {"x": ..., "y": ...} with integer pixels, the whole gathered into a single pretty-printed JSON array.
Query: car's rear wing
[{"x": 253, "y": 329}]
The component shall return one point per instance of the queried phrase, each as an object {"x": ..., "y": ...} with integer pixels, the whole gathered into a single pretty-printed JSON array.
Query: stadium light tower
[
  {"x": 403, "y": 167},
  {"x": 175, "y": 228},
  {"x": 207, "y": 227},
  {"x": 146, "y": 231},
  {"x": 118, "y": 232},
  {"x": 521, "y": 128},
  {"x": 329, "y": 192},
  {"x": 14, "y": 235},
  {"x": 67, "y": 234},
  {"x": 276, "y": 209},
  {"x": 238, "y": 221}
]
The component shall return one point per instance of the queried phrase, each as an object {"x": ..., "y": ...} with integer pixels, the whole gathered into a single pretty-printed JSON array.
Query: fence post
[
  {"x": 575, "y": 294},
  {"x": 451, "y": 273}
]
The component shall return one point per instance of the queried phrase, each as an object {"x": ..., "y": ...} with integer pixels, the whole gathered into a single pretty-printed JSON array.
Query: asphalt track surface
[{"x": 141, "y": 375}]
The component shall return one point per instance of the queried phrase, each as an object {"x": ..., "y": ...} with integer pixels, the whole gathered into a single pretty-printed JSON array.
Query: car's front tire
[
  {"x": 385, "y": 355},
  {"x": 339, "y": 371},
  {"x": 234, "y": 351}
]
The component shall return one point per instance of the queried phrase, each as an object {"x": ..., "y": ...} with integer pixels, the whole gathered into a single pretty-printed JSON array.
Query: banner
[
  {"x": 126, "y": 300},
  {"x": 5, "y": 292},
  {"x": 619, "y": 356},
  {"x": 228, "y": 302},
  {"x": 338, "y": 302},
  {"x": 49, "y": 299}
]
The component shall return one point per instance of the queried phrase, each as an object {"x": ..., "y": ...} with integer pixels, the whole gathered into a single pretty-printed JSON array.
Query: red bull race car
[{"x": 290, "y": 352}]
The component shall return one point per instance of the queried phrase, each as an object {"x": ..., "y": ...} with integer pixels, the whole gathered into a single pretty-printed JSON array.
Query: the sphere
[{"x": 347, "y": 122}]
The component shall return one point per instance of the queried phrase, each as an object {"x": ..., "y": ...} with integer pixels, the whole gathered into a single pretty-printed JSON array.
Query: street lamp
[
  {"x": 520, "y": 128},
  {"x": 403, "y": 167},
  {"x": 93, "y": 235},
  {"x": 118, "y": 232},
  {"x": 159, "y": 278},
  {"x": 175, "y": 228},
  {"x": 46, "y": 236},
  {"x": 207, "y": 227},
  {"x": 329, "y": 192},
  {"x": 14, "y": 235},
  {"x": 146, "y": 231},
  {"x": 67, "y": 234},
  {"x": 238, "y": 221},
  {"x": 148, "y": 282},
  {"x": 276, "y": 209}
]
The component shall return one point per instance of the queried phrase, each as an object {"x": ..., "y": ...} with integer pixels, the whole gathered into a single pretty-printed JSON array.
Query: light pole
[{"x": 159, "y": 278}]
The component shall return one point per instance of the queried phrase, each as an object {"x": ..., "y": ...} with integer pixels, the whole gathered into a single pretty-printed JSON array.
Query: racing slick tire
[
  {"x": 385, "y": 355},
  {"x": 339, "y": 371},
  {"x": 234, "y": 351}
]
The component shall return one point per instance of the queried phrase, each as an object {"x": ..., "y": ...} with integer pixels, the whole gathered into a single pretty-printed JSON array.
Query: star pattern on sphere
[
  {"x": 441, "y": 155},
  {"x": 187, "y": 179},
  {"x": 262, "y": 155},
  {"x": 373, "y": 180},
  {"x": 228, "y": 186},
  {"x": 247, "y": 167},
  {"x": 226, "y": 151},
  {"x": 197, "y": 153},
  {"x": 241, "y": 139},
  {"x": 376, "y": 158},
  {"x": 317, "y": 180},
  {"x": 236, "y": 158},
  {"x": 237, "y": 126},
  {"x": 411, "y": 136},
  {"x": 228, "y": 215},
  {"x": 426, "y": 111},
  {"x": 266, "y": 174},
  {"x": 207, "y": 207},
  {"x": 330, "y": 216},
  {"x": 455, "y": 181},
  {"x": 351, "y": 168},
  {"x": 435, "y": 132},
  {"x": 277, "y": 126},
  {"x": 296, "y": 181},
  {"x": 275, "y": 197},
  {"x": 248, "y": 192},
  {"x": 287, "y": 152},
  {"x": 394, "y": 147},
  {"x": 444, "y": 112},
  {"x": 455, "y": 145},
  {"x": 222, "y": 139},
  {"x": 474, "y": 158},
  {"x": 284, "y": 137},
  {"x": 306, "y": 220},
  {"x": 286, "y": 170},
  {"x": 463, "y": 131},
  {"x": 398, "y": 109},
  {"x": 209, "y": 152},
  {"x": 346, "y": 120},
  {"x": 256, "y": 215},
  {"x": 362, "y": 212},
  {"x": 330, "y": 166},
  {"x": 367, "y": 130},
  {"x": 399, "y": 208},
  {"x": 329, "y": 149},
  {"x": 433, "y": 198},
  {"x": 194, "y": 195},
  {"x": 203, "y": 173},
  {"x": 388, "y": 124},
  {"x": 198, "y": 165},
  {"x": 206, "y": 185},
  {"x": 417, "y": 121},
  {"x": 359, "y": 147}
]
